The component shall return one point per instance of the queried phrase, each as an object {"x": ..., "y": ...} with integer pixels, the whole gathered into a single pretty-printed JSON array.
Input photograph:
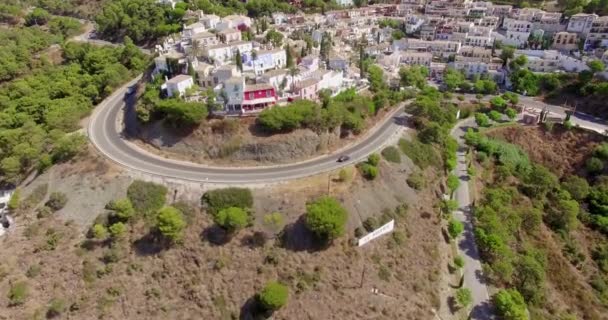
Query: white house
[
  {"x": 581, "y": 23},
  {"x": 229, "y": 35},
  {"x": 265, "y": 60},
  {"x": 517, "y": 25},
  {"x": 195, "y": 28},
  {"x": 416, "y": 58},
  {"x": 234, "y": 22},
  {"x": 210, "y": 21},
  {"x": 279, "y": 79},
  {"x": 345, "y": 3},
  {"x": 337, "y": 62},
  {"x": 178, "y": 85},
  {"x": 224, "y": 52},
  {"x": 515, "y": 38}
]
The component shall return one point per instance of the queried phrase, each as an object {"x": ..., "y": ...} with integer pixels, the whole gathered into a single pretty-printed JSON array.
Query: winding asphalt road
[{"x": 106, "y": 132}]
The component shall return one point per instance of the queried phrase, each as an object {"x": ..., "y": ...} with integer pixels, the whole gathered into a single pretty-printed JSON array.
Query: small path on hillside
[{"x": 473, "y": 272}]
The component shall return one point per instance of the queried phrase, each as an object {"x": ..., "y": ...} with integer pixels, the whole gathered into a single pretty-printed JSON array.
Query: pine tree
[
  {"x": 361, "y": 60},
  {"x": 238, "y": 60},
  {"x": 288, "y": 57}
]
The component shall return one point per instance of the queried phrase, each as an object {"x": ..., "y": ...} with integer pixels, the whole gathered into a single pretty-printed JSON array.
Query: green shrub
[
  {"x": 464, "y": 297},
  {"x": 220, "y": 199},
  {"x": 123, "y": 209},
  {"x": 146, "y": 197},
  {"x": 326, "y": 218},
  {"x": 18, "y": 293},
  {"x": 13, "y": 202},
  {"x": 368, "y": 171},
  {"x": 577, "y": 187},
  {"x": 416, "y": 180},
  {"x": 273, "y": 296},
  {"x": 99, "y": 231},
  {"x": 594, "y": 165},
  {"x": 391, "y": 154},
  {"x": 370, "y": 224},
  {"x": 601, "y": 151},
  {"x": 170, "y": 222},
  {"x": 510, "y": 305},
  {"x": 423, "y": 155},
  {"x": 495, "y": 115},
  {"x": 118, "y": 230},
  {"x": 373, "y": 159},
  {"x": 56, "y": 308},
  {"x": 452, "y": 182},
  {"x": 459, "y": 262},
  {"x": 344, "y": 175},
  {"x": 510, "y": 113},
  {"x": 232, "y": 219},
  {"x": 482, "y": 120},
  {"x": 57, "y": 200},
  {"x": 455, "y": 228}
]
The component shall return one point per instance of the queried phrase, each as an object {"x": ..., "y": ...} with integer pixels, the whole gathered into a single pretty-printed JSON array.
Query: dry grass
[{"x": 205, "y": 281}]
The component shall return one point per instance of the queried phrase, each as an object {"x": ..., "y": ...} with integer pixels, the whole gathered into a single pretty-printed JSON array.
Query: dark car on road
[{"x": 343, "y": 158}]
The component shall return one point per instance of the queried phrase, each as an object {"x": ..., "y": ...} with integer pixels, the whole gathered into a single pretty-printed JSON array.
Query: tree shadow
[
  {"x": 216, "y": 235},
  {"x": 252, "y": 310},
  {"x": 452, "y": 305},
  {"x": 150, "y": 244},
  {"x": 483, "y": 310},
  {"x": 92, "y": 244},
  {"x": 296, "y": 237}
]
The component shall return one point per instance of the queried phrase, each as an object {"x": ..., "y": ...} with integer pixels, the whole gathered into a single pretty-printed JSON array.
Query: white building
[
  {"x": 178, "y": 85},
  {"x": 581, "y": 23},
  {"x": 541, "y": 60},
  {"x": 438, "y": 48},
  {"x": 416, "y": 58},
  {"x": 225, "y": 52},
  {"x": 517, "y": 25},
  {"x": 345, "y": 3},
  {"x": 209, "y": 20},
  {"x": 234, "y": 22},
  {"x": 190, "y": 30}
]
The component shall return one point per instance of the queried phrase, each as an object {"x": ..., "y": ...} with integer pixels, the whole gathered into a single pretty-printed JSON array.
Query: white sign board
[{"x": 387, "y": 228}]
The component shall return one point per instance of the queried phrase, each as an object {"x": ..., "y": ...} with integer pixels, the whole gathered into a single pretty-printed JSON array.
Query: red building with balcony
[{"x": 257, "y": 97}]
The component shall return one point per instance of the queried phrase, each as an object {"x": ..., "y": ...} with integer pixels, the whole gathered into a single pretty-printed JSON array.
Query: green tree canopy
[
  {"x": 170, "y": 222},
  {"x": 326, "y": 217},
  {"x": 232, "y": 219},
  {"x": 273, "y": 296}
]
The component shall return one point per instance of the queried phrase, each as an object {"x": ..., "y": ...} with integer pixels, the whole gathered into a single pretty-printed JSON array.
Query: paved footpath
[{"x": 473, "y": 273}]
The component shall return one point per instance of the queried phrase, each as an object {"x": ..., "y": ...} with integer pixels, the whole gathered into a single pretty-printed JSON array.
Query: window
[
  {"x": 251, "y": 95},
  {"x": 269, "y": 93}
]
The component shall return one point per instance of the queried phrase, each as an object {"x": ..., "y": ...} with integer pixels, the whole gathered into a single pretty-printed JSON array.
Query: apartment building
[
  {"x": 599, "y": 30},
  {"x": 565, "y": 41},
  {"x": 514, "y": 25},
  {"x": 439, "y": 48},
  {"x": 225, "y": 52},
  {"x": 581, "y": 23},
  {"x": 416, "y": 58},
  {"x": 541, "y": 60},
  {"x": 480, "y": 53}
]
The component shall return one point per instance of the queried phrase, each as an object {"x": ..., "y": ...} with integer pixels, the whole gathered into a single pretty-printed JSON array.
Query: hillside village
[
  {"x": 296, "y": 56},
  {"x": 304, "y": 159}
]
